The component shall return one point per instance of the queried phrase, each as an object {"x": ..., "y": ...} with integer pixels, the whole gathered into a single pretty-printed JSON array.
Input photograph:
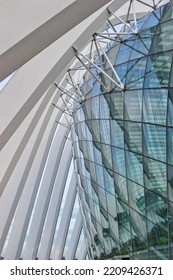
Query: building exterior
[
  {"x": 123, "y": 145},
  {"x": 113, "y": 121}
]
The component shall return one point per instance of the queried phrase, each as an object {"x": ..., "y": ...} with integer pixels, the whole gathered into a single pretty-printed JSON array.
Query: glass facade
[{"x": 123, "y": 145}]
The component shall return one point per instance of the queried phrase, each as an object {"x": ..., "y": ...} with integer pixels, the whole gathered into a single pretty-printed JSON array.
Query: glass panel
[
  {"x": 95, "y": 89},
  {"x": 133, "y": 105},
  {"x": 108, "y": 84},
  {"x": 123, "y": 215},
  {"x": 80, "y": 115},
  {"x": 117, "y": 133},
  {"x": 154, "y": 141},
  {"x": 124, "y": 53},
  {"x": 121, "y": 72},
  {"x": 109, "y": 181},
  {"x": 170, "y": 145},
  {"x": 170, "y": 219},
  {"x": 111, "y": 204},
  {"x": 112, "y": 53},
  {"x": 155, "y": 106},
  {"x": 96, "y": 130},
  {"x": 158, "y": 70},
  {"x": 106, "y": 156},
  {"x": 104, "y": 108},
  {"x": 136, "y": 197},
  {"x": 155, "y": 176},
  {"x": 158, "y": 242},
  {"x": 163, "y": 38},
  {"x": 118, "y": 160},
  {"x": 84, "y": 148},
  {"x": 171, "y": 77},
  {"x": 167, "y": 12},
  {"x": 95, "y": 107},
  {"x": 140, "y": 251},
  {"x": 170, "y": 107},
  {"x": 81, "y": 131},
  {"x": 117, "y": 105},
  {"x": 135, "y": 73},
  {"x": 133, "y": 136},
  {"x": 139, "y": 241},
  {"x": 97, "y": 155},
  {"x": 121, "y": 187},
  {"x": 139, "y": 49},
  {"x": 92, "y": 171},
  {"x": 170, "y": 183},
  {"x": 134, "y": 167},
  {"x": 126, "y": 244},
  {"x": 151, "y": 21},
  {"x": 138, "y": 224},
  {"x": 156, "y": 209},
  {"x": 99, "y": 172},
  {"x": 88, "y": 130},
  {"x": 87, "y": 109},
  {"x": 105, "y": 131},
  {"x": 146, "y": 37}
]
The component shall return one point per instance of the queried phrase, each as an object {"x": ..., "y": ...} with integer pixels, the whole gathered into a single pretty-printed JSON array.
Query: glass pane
[
  {"x": 138, "y": 224},
  {"x": 170, "y": 183},
  {"x": 121, "y": 187},
  {"x": 104, "y": 108},
  {"x": 117, "y": 105},
  {"x": 117, "y": 133},
  {"x": 95, "y": 107},
  {"x": 170, "y": 145},
  {"x": 96, "y": 130},
  {"x": 123, "y": 215},
  {"x": 156, "y": 209},
  {"x": 133, "y": 136},
  {"x": 134, "y": 167},
  {"x": 158, "y": 242},
  {"x": 87, "y": 109},
  {"x": 118, "y": 158},
  {"x": 155, "y": 176},
  {"x": 109, "y": 181},
  {"x": 158, "y": 70},
  {"x": 163, "y": 31},
  {"x": 123, "y": 54},
  {"x": 136, "y": 197},
  {"x": 154, "y": 141},
  {"x": 133, "y": 105},
  {"x": 170, "y": 107},
  {"x": 105, "y": 131},
  {"x": 106, "y": 156},
  {"x": 170, "y": 219},
  {"x": 135, "y": 73},
  {"x": 155, "y": 106},
  {"x": 139, "y": 49},
  {"x": 167, "y": 13},
  {"x": 96, "y": 89}
]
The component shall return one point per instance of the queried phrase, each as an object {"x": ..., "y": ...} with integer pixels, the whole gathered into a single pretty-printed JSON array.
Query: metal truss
[{"x": 86, "y": 61}]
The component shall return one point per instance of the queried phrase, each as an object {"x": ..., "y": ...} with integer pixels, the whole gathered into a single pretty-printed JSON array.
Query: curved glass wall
[{"x": 123, "y": 143}]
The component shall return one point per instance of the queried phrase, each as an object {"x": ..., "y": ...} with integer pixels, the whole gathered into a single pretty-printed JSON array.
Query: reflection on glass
[{"x": 124, "y": 151}]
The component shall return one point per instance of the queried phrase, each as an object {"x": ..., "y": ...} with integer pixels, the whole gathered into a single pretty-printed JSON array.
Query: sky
[{"x": 5, "y": 81}]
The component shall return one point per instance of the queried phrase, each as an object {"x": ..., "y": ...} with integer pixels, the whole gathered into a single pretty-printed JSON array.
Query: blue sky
[{"x": 5, "y": 81}]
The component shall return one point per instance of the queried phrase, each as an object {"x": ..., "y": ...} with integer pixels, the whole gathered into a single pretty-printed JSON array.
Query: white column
[
  {"x": 22, "y": 39},
  {"x": 35, "y": 77},
  {"x": 75, "y": 237},
  {"x": 65, "y": 220},
  {"x": 55, "y": 165}
]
